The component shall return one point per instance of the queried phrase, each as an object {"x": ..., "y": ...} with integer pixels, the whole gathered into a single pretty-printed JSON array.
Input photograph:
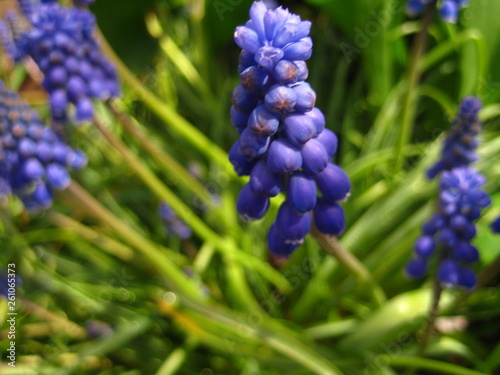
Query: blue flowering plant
[
  {"x": 238, "y": 157},
  {"x": 283, "y": 146}
]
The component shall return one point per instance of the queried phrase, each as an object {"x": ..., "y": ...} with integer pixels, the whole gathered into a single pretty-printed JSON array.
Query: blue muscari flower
[
  {"x": 460, "y": 145},
  {"x": 34, "y": 161},
  {"x": 451, "y": 229},
  {"x": 172, "y": 223},
  {"x": 448, "y": 10},
  {"x": 495, "y": 225},
  {"x": 283, "y": 144},
  {"x": 61, "y": 41}
]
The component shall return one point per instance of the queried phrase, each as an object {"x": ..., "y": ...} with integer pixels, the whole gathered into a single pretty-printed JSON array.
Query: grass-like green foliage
[{"x": 215, "y": 304}]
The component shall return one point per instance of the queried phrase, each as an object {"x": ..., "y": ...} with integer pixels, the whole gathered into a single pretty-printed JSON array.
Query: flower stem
[
  {"x": 178, "y": 124},
  {"x": 414, "y": 72},
  {"x": 431, "y": 317},
  {"x": 224, "y": 245},
  {"x": 176, "y": 171},
  {"x": 334, "y": 248},
  {"x": 150, "y": 250}
]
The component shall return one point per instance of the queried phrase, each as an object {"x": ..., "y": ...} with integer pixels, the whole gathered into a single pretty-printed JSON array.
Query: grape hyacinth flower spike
[
  {"x": 448, "y": 10},
  {"x": 34, "y": 161},
  {"x": 283, "y": 145},
  {"x": 62, "y": 42},
  {"x": 449, "y": 232},
  {"x": 460, "y": 145}
]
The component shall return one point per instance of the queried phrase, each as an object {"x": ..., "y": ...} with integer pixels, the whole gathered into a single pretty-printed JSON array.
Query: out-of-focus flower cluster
[
  {"x": 172, "y": 224},
  {"x": 33, "y": 159},
  {"x": 451, "y": 229},
  {"x": 283, "y": 144},
  {"x": 448, "y": 11},
  {"x": 62, "y": 42}
]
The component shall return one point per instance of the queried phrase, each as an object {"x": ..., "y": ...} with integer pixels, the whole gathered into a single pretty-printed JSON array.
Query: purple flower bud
[
  {"x": 242, "y": 163},
  {"x": 246, "y": 59},
  {"x": 283, "y": 157},
  {"x": 57, "y": 176},
  {"x": 57, "y": 77},
  {"x": 424, "y": 246},
  {"x": 27, "y": 147},
  {"x": 416, "y": 268},
  {"x": 292, "y": 225},
  {"x": 76, "y": 88},
  {"x": 239, "y": 119},
  {"x": 278, "y": 245},
  {"x": 251, "y": 206},
  {"x": 257, "y": 12},
  {"x": 84, "y": 109},
  {"x": 333, "y": 183},
  {"x": 286, "y": 72},
  {"x": 299, "y": 128},
  {"x": 306, "y": 97},
  {"x": 467, "y": 278},
  {"x": 58, "y": 101},
  {"x": 495, "y": 225},
  {"x": 252, "y": 144},
  {"x": 253, "y": 79},
  {"x": 44, "y": 152},
  {"x": 329, "y": 141},
  {"x": 242, "y": 100},
  {"x": 267, "y": 57},
  {"x": 329, "y": 217},
  {"x": 263, "y": 122},
  {"x": 449, "y": 273},
  {"x": 302, "y": 192},
  {"x": 247, "y": 39},
  {"x": 303, "y": 71},
  {"x": 301, "y": 50},
  {"x": 263, "y": 181},
  {"x": 465, "y": 252},
  {"x": 318, "y": 120},
  {"x": 449, "y": 11},
  {"x": 32, "y": 169},
  {"x": 41, "y": 196},
  {"x": 314, "y": 157},
  {"x": 414, "y": 7},
  {"x": 448, "y": 237},
  {"x": 280, "y": 99}
]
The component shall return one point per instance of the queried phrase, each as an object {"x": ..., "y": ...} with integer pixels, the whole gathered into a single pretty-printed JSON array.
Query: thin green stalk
[
  {"x": 106, "y": 243},
  {"x": 334, "y": 248},
  {"x": 174, "y": 169},
  {"x": 226, "y": 245},
  {"x": 174, "y": 361},
  {"x": 414, "y": 71},
  {"x": 426, "y": 364},
  {"x": 170, "y": 271},
  {"x": 178, "y": 124}
]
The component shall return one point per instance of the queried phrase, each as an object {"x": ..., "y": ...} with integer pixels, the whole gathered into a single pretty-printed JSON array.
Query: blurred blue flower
[
  {"x": 495, "y": 225},
  {"x": 34, "y": 161},
  {"x": 460, "y": 145},
  {"x": 173, "y": 225},
  {"x": 62, "y": 42},
  {"x": 450, "y": 230},
  {"x": 283, "y": 144},
  {"x": 448, "y": 10}
]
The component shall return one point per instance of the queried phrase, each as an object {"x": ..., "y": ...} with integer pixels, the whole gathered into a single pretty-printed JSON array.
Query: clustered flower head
[
  {"x": 62, "y": 42},
  {"x": 452, "y": 228},
  {"x": 448, "y": 10},
  {"x": 34, "y": 161},
  {"x": 283, "y": 144},
  {"x": 461, "y": 141},
  {"x": 172, "y": 223}
]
